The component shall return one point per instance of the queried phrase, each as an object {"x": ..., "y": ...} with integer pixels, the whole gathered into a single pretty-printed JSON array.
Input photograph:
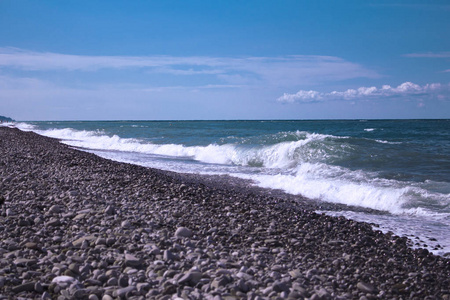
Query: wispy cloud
[
  {"x": 424, "y": 6},
  {"x": 23, "y": 83},
  {"x": 275, "y": 71},
  {"x": 44, "y": 61},
  {"x": 429, "y": 55},
  {"x": 407, "y": 89}
]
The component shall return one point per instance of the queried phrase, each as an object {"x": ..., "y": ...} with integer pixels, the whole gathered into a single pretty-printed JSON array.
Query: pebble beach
[{"x": 77, "y": 226}]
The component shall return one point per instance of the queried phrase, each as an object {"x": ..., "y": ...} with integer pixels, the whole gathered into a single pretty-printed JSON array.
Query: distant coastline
[{"x": 6, "y": 119}]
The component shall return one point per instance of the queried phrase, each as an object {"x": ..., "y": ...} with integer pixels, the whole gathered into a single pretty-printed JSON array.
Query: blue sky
[{"x": 166, "y": 60}]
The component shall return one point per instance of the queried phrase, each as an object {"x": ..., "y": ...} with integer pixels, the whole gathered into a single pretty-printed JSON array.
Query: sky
[{"x": 207, "y": 60}]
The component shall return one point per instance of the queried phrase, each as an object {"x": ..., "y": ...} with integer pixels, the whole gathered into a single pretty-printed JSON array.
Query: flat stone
[
  {"x": 295, "y": 273},
  {"x": 31, "y": 245},
  {"x": 109, "y": 210},
  {"x": 132, "y": 261},
  {"x": 80, "y": 294},
  {"x": 23, "y": 222},
  {"x": 365, "y": 287},
  {"x": 272, "y": 242},
  {"x": 323, "y": 294},
  {"x": 64, "y": 279},
  {"x": 190, "y": 278},
  {"x": 53, "y": 222},
  {"x": 25, "y": 262},
  {"x": 100, "y": 241},
  {"x": 123, "y": 291},
  {"x": 79, "y": 242},
  {"x": 79, "y": 217},
  {"x": 56, "y": 209},
  {"x": 25, "y": 287},
  {"x": 244, "y": 276},
  {"x": 74, "y": 193},
  {"x": 336, "y": 242},
  {"x": 93, "y": 282}
]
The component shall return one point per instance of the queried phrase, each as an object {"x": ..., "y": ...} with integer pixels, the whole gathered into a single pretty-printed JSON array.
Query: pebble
[
  {"x": 123, "y": 291},
  {"x": 109, "y": 210},
  {"x": 132, "y": 261},
  {"x": 365, "y": 287},
  {"x": 183, "y": 232},
  {"x": 56, "y": 209},
  {"x": 25, "y": 287},
  {"x": 190, "y": 278}
]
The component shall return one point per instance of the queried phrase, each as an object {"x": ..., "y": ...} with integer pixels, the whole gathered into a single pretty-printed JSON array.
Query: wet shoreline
[{"x": 79, "y": 226}]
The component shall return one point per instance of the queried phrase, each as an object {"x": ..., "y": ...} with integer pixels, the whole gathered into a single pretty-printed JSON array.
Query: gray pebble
[
  {"x": 123, "y": 291},
  {"x": 365, "y": 287},
  {"x": 183, "y": 232}
]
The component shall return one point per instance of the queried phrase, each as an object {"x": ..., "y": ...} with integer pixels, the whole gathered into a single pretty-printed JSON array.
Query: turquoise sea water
[{"x": 400, "y": 167}]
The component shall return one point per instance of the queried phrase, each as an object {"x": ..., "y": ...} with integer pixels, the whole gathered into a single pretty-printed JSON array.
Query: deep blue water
[{"x": 401, "y": 167}]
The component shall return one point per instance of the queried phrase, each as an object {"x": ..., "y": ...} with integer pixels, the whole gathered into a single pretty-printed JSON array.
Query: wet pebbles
[{"x": 76, "y": 226}]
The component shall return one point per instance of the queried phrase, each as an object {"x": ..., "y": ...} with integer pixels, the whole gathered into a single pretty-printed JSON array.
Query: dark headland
[
  {"x": 5, "y": 119},
  {"x": 77, "y": 226}
]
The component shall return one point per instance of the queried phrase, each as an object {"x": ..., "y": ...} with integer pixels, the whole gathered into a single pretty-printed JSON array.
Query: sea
[{"x": 400, "y": 169}]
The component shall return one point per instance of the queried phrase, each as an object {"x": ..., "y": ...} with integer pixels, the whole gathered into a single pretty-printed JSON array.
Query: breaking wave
[{"x": 297, "y": 162}]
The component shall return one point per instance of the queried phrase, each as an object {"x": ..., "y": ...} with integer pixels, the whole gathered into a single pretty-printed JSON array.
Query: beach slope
[{"x": 77, "y": 226}]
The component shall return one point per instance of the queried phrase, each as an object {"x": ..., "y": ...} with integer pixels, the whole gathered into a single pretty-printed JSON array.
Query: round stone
[{"x": 183, "y": 232}]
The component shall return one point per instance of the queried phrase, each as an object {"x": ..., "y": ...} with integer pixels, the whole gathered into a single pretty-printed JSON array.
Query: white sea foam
[
  {"x": 7, "y": 124},
  {"x": 320, "y": 181},
  {"x": 435, "y": 237},
  {"x": 25, "y": 126},
  {"x": 369, "y": 129},
  {"x": 282, "y": 155},
  {"x": 386, "y": 142},
  {"x": 298, "y": 167}
]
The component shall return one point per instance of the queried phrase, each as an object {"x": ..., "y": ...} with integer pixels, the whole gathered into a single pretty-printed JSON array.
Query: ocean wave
[
  {"x": 282, "y": 155},
  {"x": 387, "y": 142},
  {"x": 24, "y": 126},
  {"x": 355, "y": 188},
  {"x": 297, "y": 162}
]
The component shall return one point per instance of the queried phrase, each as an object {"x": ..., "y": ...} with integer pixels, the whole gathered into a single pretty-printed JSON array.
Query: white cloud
[
  {"x": 188, "y": 72},
  {"x": 427, "y": 6},
  {"x": 429, "y": 55},
  {"x": 407, "y": 89},
  {"x": 274, "y": 71},
  {"x": 445, "y": 55}
]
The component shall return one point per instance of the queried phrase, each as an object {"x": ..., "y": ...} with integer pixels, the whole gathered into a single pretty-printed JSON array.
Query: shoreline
[{"x": 79, "y": 226}]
